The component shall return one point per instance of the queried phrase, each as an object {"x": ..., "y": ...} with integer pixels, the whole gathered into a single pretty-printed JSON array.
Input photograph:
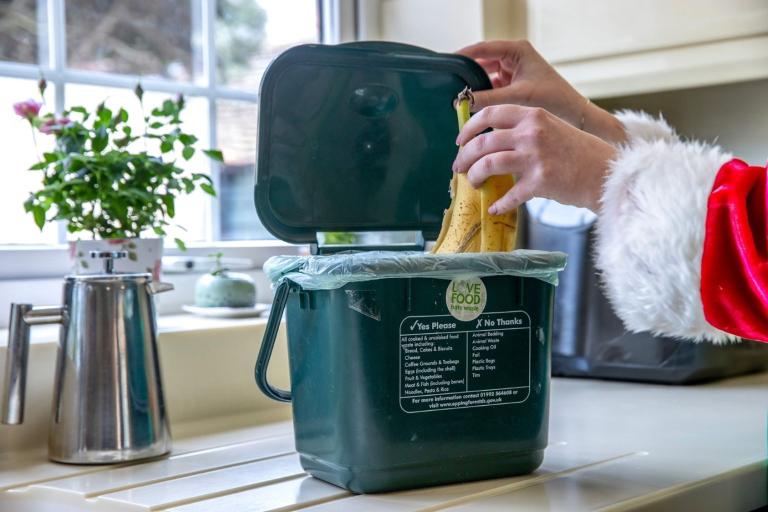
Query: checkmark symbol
[{"x": 413, "y": 326}]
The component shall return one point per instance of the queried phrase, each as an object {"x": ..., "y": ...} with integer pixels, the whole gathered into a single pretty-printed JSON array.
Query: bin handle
[{"x": 268, "y": 343}]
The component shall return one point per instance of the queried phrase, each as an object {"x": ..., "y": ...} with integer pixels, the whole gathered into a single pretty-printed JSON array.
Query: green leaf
[
  {"x": 123, "y": 115},
  {"x": 39, "y": 214},
  {"x": 200, "y": 176},
  {"x": 38, "y": 166},
  {"x": 208, "y": 189},
  {"x": 169, "y": 202},
  {"x": 187, "y": 152},
  {"x": 100, "y": 140},
  {"x": 166, "y": 146},
  {"x": 80, "y": 110},
  {"x": 169, "y": 107},
  {"x": 105, "y": 115},
  {"x": 180, "y": 244},
  {"x": 156, "y": 125},
  {"x": 189, "y": 185},
  {"x": 99, "y": 143},
  {"x": 214, "y": 154},
  {"x": 51, "y": 157},
  {"x": 187, "y": 139}
]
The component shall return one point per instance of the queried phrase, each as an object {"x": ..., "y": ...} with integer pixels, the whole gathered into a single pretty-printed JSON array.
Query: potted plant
[{"x": 104, "y": 182}]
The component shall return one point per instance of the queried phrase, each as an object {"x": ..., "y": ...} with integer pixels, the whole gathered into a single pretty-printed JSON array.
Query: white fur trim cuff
[
  {"x": 644, "y": 127},
  {"x": 650, "y": 235}
]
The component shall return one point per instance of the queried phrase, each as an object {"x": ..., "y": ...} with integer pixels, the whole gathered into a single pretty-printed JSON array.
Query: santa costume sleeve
[{"x": 681, "y": 237}]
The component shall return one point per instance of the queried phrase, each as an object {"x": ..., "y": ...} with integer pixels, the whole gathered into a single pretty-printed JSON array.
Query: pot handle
[
  {"x": 22, "y": 317},
  {"x": 268, "y": 343}
]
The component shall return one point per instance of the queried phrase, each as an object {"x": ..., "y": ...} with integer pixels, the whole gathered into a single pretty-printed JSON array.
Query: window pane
[
  {"x": 192, "y": 211},
  {"x": 250, "y": 33},
  {"x": 18, "y": 30},
  {"x": 131, "y": 36},
  {"x": 17, "y": 226},
  {"x": 237, "y": 129}
]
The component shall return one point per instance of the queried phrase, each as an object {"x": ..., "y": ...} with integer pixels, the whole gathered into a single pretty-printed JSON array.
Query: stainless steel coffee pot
[{"x": 108, "y": 401}]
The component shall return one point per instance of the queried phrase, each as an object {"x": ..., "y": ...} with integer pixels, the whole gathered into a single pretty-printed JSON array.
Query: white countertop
[{"x": 613, "y": 446}]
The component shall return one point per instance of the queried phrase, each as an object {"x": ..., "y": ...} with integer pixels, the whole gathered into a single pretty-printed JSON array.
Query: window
[{"x": 212, "y": 51}]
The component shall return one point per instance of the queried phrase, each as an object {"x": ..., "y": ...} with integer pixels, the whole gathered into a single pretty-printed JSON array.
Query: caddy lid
[{"x": 358, "y": 137}]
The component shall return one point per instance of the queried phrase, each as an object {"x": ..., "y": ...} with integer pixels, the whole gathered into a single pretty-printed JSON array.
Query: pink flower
[
  {"x": 27, "y": 109},
  {"x": 53, "y": 125}
]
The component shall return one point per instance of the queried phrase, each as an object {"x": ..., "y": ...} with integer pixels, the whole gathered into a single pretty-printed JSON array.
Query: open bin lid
[{"x": 358, "y": 137}]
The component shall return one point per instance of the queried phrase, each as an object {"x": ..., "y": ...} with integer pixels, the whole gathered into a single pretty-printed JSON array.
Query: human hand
[
  {"x": 523, "y": 77},
  {"x": 549, "y": 157}
]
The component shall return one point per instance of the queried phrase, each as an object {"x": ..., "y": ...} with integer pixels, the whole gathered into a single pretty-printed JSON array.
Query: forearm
[
  {"x": 625, "y": 126},
  {"x": 601, "y": 123}
]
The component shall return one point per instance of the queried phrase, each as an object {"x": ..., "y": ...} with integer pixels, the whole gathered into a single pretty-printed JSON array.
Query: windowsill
[
  {"x": 182, "y": 323},
  {"x": 46, "y": 261}
]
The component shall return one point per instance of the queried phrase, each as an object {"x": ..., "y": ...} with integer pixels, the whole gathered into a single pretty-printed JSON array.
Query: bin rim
[{"x": 334, "y": 271}]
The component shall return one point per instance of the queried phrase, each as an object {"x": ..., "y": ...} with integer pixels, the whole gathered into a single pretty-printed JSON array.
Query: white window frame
[{"x": 339, "y": 22}]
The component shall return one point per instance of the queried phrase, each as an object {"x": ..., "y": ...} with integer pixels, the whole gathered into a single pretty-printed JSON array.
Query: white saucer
[{"x": 246, "y": 312}]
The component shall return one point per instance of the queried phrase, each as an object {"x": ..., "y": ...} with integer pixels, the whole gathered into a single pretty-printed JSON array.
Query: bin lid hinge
[{"x": 336, "y": 242}]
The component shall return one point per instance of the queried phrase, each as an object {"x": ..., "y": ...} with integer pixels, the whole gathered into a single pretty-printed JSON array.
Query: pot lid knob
[{"x": 109, "y": 258}]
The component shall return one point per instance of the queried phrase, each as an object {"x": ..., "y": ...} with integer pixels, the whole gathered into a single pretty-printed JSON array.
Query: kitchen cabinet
[
  {"x": 447, "y": 25},
  {"x": 612, "y": 48},
  {"x": 565, "y": 30},
  {"x": 606, "y": 48}
]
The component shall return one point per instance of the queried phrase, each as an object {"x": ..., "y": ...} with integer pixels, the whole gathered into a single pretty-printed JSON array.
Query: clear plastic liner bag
[{"x": 334, "y": 271}]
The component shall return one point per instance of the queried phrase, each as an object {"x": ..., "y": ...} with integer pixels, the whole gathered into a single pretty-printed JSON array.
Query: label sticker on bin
[
  {"x": 466, "y": 298},
  {"x": 449, "y": 364}
]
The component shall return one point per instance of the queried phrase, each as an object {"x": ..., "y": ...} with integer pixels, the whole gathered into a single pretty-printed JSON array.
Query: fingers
[
  {"x": 497, "y": 82},
  {"x": 495, "y": 164},
  {"x": 490, "y": 66},
  {"x": 499, "y": 117},
  {"x": 501, "y": 94},
  {"x": 496, "y": 49},
  {"x": 483, "y": 144},
  {"x": 500, "y": 59},
  {"x": 514, "y": 197}
]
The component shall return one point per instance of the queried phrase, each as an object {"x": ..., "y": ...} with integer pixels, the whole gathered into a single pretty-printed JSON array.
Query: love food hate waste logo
[{"x": 465, "y": 298}]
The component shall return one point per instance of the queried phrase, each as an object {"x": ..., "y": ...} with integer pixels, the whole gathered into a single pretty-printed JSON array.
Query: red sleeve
[{"x": 734, "y": 266}]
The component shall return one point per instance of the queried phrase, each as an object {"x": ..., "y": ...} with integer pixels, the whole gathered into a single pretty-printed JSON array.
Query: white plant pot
[{"x": 144, "y": 255}]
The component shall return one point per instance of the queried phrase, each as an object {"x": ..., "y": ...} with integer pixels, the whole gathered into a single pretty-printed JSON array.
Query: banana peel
[
  {"x": 467, "y": 226},
  {"x": 498, "y": 232}
]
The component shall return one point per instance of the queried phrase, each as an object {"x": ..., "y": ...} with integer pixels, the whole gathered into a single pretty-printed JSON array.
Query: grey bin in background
[{"x": 589, "y": 340}]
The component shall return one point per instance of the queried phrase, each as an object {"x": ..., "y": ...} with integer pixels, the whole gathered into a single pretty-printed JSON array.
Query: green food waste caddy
[{"x": 407, "y": 369}]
